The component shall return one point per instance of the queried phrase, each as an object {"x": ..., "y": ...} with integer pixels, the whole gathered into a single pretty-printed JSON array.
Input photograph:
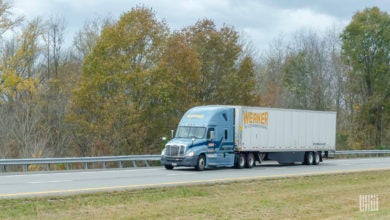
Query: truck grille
[{"x": 175, "y": 151}]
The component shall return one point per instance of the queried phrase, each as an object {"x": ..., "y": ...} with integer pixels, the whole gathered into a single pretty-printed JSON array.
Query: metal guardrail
[
  {"x": 360, "y": 153},
  {"x": 26, "y": 163}
]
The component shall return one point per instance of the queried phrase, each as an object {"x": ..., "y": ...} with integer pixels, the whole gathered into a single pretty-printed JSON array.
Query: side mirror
[{"x": 212, "y": 135}]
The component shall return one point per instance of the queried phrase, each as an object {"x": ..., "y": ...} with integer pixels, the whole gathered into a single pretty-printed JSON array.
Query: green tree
[
  {"x": 113, "y": 105},
  {"x": 227, "y": 71},
  {"x": 308, "y": 72},
  {"x": 366, "y": 48},
  {"x": 297, "y": 80}
]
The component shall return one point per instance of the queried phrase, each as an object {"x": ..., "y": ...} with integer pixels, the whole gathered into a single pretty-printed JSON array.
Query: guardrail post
[
  {"x": 67, "y": 166},
  {"x": 146, "y": 163},
  {"x": 134, "y": 164},
  {"x": 120, "y": 164},
  {"x": 104, "y": 165},
  {"x": 26, "y": 167},
  {"x": 4, "y": 168},
  {"x": 86, "y": 165},
  {"x": 47, "y": 167}
]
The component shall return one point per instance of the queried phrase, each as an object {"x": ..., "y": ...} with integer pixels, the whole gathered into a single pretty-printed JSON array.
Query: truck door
[{"x": 224, "y": 139}]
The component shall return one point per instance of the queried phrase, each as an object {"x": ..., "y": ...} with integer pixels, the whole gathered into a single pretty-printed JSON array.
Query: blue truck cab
[{"x": 204, "y": 138}]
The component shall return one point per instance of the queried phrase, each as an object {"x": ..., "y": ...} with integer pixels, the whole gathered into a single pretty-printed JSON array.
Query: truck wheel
[
  {"x": 168, "y": 167},
  {"x": 240, "y": 162},
  {"x": 250, "y": 161},
  {"x": 201, "y": 163},
  {"x": 317, "y": 158},
  {"x": 309, "y": 158}
]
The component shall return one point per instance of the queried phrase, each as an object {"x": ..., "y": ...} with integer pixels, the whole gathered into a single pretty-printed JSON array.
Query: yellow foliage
[
  {"x": 36, "y": 167},
  {"x": 12, "y": 84}
]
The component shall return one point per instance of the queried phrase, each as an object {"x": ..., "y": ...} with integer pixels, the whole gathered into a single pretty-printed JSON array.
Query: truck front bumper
[{"x": 179, "y": 161}]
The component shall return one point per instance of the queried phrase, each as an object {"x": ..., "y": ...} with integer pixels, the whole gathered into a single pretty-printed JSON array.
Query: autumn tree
[
  {"x": 366, "y": 48},
  {"x": 19, "y": 89},
  {"x": 113, "y": 96},
  {"x": 227, "y": 71},
  {"x": 179, "y": 71},
  {"x": 7, "y": 20},
  {"x": 58, "y": 76},
  {"x": 85, "y": 39},
  {"x": 269, "y": 74}
]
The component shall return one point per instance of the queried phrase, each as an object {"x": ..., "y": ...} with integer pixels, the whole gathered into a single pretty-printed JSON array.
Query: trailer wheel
[
  {"x": 168, "y": 167},
  {"x": 309, "y": 158},
  {"x": 201, "y": 163},
  {"x": 316, "y": 159},
  {"x": 240, "y": 162},
  {"x": 250, "y": 161}
]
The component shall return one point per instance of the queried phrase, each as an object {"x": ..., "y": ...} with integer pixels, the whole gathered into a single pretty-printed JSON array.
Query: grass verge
[{"x": 325, "y": 197}]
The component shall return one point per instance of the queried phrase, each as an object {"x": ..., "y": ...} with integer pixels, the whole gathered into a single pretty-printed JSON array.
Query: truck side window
[
  {"x": 226, "y": 134},
  {"x": 208, "y": 132},
  {"x": 225, "y": 116}
]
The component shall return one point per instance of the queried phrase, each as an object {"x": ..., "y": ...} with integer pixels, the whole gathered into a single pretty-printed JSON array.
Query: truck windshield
[{"x": 190, "y": 132}]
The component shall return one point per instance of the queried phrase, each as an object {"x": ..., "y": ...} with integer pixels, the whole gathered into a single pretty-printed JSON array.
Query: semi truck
[{"x": 241, "y": 137}]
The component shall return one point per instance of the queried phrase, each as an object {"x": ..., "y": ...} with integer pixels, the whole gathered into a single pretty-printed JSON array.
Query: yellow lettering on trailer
[{"x": 254, "y": 118}]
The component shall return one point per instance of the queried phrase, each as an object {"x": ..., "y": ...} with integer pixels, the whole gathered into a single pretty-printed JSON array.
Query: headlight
[
  {"x": 163, "y": 152},
  {"x": 190, "y": 154}
]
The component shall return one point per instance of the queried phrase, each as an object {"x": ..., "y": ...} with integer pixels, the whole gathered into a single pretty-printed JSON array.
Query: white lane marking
[
  {"x": 10, "y": 195},
  {"x": 50, "y": 181},
  {"x": 180, "y": 174},
  {"x": 77, "y": 172}
]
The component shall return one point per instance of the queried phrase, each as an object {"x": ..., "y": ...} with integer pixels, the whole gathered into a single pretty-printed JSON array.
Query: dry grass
[{"x": 320, "y": 197}]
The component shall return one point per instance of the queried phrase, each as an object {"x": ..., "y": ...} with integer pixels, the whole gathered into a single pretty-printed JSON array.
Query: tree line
[{"x": 122, "y": 85}]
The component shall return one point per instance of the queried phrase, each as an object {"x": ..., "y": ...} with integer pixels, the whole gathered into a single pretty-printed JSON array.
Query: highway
[{"x": 13, "y": 185}]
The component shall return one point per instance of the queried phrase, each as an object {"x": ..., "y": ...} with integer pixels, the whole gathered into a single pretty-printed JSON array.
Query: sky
[{"x": 259, "y": 22}]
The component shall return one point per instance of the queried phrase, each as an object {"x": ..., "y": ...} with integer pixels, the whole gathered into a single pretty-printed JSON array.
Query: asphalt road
[{"x": 74, "y": 182}]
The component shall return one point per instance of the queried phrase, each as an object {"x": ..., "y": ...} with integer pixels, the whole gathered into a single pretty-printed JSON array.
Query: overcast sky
[{"x": 259, "y": 21}]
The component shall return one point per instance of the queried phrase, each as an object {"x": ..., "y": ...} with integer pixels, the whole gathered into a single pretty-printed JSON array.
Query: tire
[
  {"x": 309, "y": 158},
  {"x": 316, "y": 159},
  {"x": 201, "y": 163},
  {"x": 250, "y": 161},
  {"x": 240, "y": 162},
  {"x": 168, "y": 167}
]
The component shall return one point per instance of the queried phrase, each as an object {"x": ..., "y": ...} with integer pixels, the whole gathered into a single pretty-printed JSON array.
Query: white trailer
[{"x": 282, "y": 133}]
